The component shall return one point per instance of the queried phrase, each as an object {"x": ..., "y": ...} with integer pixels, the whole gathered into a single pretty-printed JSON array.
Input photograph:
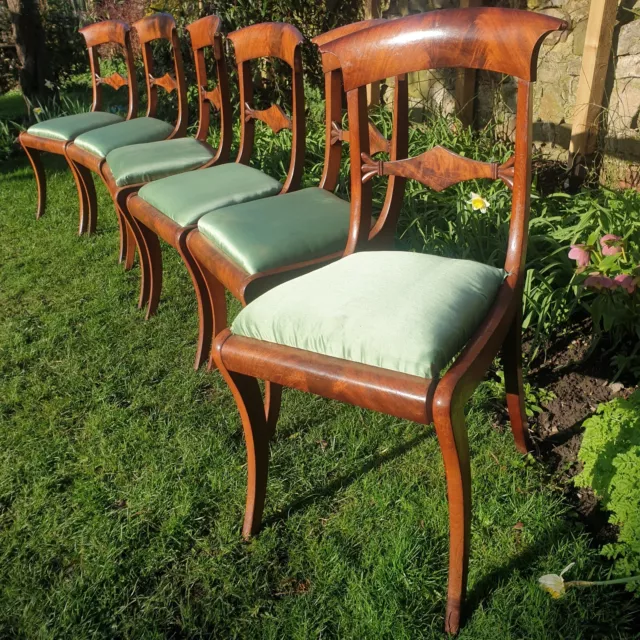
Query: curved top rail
[
  {"x": 494, "y": 39},
  {"x": 330, "y": 62},
  {"x": 203, "y": 31},
  {"x": 159, "y": 26},
  {"x": 267, "y": 40},
  {"x": 106, "y": 32}
]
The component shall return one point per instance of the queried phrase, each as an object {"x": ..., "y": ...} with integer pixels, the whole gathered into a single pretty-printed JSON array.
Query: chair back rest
[
  {"x": 334, "y": 134},
  {"x": 117, "y": 33},
  {"x": 206, "y": 33},
  {"x": 162, "y": 26},
  {"x": 271, "y": 40},
  {"x": 493, "y": 39}
]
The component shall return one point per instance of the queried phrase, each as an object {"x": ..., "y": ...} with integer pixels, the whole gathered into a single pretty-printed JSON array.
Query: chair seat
[
  {"x": 185, "y": 198},
  {"x": 406, "y": 312},
  {"x": 140, "y": 163},
  {"x": 68, "y": 128},
  {"x": 274, "y": 232},
  {"x": 104, "y": 140}
]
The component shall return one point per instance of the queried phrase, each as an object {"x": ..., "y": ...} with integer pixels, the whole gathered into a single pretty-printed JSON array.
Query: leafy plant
[{"x": 610, "y": 452}]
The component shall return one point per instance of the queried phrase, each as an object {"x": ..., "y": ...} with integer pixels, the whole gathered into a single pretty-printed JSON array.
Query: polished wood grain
[
  {"x": 497, "y": 39},
  {"x": 491, "y": 44},
  {"x": 268, "y": 40},
  {"x": 107, "y": 32},
  {"x": 274, "y": 117},
  {"x": 166, "y": 82},
  {"x": 437, "y": 168}
]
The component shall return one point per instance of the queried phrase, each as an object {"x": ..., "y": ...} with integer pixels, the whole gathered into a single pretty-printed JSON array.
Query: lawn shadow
[{"x": 344, "y": 481}]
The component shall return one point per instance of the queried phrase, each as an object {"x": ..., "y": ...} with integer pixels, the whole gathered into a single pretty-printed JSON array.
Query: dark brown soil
[{"x": 579, "y": 381}]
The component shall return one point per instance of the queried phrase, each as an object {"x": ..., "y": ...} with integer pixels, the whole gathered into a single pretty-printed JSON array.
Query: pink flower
[
  {"x": 579, "y": 254},
  {"x": 598, "y": 281},
  {"x": 626, "y": 281},
  {"x": 610, "y": 244}
]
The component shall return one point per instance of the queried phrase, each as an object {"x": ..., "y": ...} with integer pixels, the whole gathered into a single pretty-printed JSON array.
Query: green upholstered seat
[
  {"x": 186, "y": 197},
  {"x": 407, "y": 312},
  {"x": 151, "y": 161},
  {"x": 70, "y": 127},
  {"x": 274, "y": 232},
  {"x": 101, "y": 141}
]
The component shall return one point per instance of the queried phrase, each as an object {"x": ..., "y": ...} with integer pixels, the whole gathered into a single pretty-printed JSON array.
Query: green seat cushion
[
  {"x": 101, "y": 141},
  {"x": 273, "y": 232},
  {"x": 407, "y": 312},
  {"x": 185, "y": 198},
  {"x": 151, "y": 161},
  {"x": 70, "y": 127}
]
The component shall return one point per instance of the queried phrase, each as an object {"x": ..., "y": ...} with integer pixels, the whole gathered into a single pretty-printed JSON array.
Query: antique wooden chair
[
  {"x": 249, "y": 248},
  {"x": 126, "y": 169},
  {"x": 56, "y": 134},
  {"x": 170, "y": 208},
  {"x": 376, "y": 328},
  {"x": 88, "y": 151}
]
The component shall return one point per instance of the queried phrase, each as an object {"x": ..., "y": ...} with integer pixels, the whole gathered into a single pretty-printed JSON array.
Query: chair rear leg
[
  {"x": 205, "y": 304},
  {"x": 512, "y": 363},
  {"x": 120, "y": 200},
  {"x": 452, "y": 437},
  {"x": 130, "y": 246},
  {"x": 272, "y": 402},
  {"x": 154, "y": 263},
  {"x": 257, "y": 434},
  {"x": 87, "y": 197},
  {"x": 41, "y": 178}
]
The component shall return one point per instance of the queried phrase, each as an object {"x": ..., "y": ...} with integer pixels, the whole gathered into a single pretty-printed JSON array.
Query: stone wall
[{"x": 555, "y": 90}]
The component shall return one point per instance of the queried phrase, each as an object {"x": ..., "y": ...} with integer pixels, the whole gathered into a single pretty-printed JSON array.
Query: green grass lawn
[{"x": 122, "y": 479}]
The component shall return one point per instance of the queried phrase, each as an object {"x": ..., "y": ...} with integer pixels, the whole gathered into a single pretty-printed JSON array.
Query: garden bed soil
[{"x": 579, "y": 382}]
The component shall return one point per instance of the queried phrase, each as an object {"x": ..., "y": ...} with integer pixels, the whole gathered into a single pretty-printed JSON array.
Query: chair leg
[
  {"x": 130, "y": 246},
  {"x": 87, "y": 197},
  {"x": 512, "y": 363},
  {"x": 205, "y": 310},
  {"x": 120, "y": 200},
  {"x": 41, "y": 178},
  {"x": 257, "y": 434},
  {"x": 272, "y": 402},
  {"x": 452, "y": 436},
  {"x": 153, "y": 258}
]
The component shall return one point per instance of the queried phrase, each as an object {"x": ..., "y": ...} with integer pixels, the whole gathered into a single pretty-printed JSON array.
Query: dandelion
[
  {"x": 478, "y": 203},
  {"x": 580, "y": 254},
  {"x": 610, "y": 244}
]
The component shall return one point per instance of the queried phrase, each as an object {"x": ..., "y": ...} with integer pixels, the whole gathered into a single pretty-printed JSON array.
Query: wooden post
[
  {"x": 595, "y": 61},
  {"x": 466, "y": 82},
  {"x": 372, "y": 9}
]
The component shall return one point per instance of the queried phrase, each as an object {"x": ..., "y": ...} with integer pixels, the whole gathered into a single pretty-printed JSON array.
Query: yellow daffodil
[
  {"x": 49, "y": 85},
  {"x": 37, "y": 110},
  {"x": 478, "y": 203},
  {"x": 554, "y": 583}
]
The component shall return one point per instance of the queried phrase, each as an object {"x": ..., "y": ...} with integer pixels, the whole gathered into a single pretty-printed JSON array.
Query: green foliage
[{"x": 610, "y": 452}]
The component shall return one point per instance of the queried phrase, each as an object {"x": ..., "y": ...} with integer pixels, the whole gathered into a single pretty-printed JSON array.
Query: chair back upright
[
  {"x": 271, "y": 40},
  {"x": 206, "y": 33},
  {"x": 118, "y": 33},
  {"x": 494, "y": 39},
  {"x": 162, "y": 26}
]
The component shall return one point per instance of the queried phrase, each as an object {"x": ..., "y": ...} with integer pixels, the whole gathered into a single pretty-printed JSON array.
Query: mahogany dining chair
[
  {"x": 170, "y": 208},
  {"x": 56, "y": 134},
  {"x": 249, "y": 248},
  {"x": 88, "y": 151},
  {"x": 127, "y": 169},
  {"x": 376, "y": 329}
]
